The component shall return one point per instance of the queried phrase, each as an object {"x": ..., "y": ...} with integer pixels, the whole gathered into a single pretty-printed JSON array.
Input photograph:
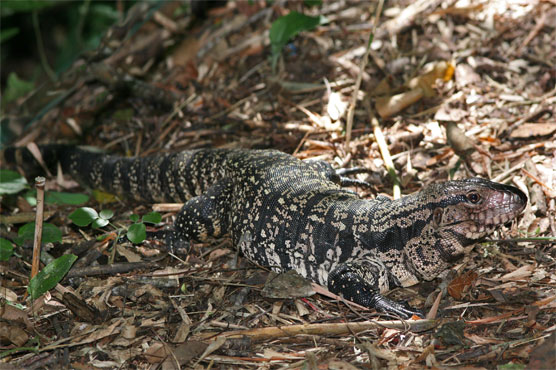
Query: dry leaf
[
  {"x": 532, "y": 130},
  {"x": 519, "y": 274},
  {"x": 461, "y": 283},
  {"x": 13, "y": 334}
]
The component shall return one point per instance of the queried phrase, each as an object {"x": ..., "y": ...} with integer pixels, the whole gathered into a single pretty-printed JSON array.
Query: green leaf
[
  {"x": 7, "y": 34},
  {"x": 11, "y": 182},
  {"x": 83, "y": 216},
  {"x": 63, "y": 198},
  {"x": 152, "y": 218},
  {"x": 288, "y": 26},
  {"x": 15, "y": 88},
  {"x": 52, "y": 273},
  {"x": 134, "y": 217},
  {"x": 137, "y": 233},
  {"x": 99, "y": 222},
  {"x": 50, "y": 233},
  {"x": 6, "y": 249},
  {"x": 106, "y": 214}
]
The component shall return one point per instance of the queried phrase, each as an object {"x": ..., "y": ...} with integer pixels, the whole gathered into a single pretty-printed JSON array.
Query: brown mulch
[{"x": 164, "y": 81}]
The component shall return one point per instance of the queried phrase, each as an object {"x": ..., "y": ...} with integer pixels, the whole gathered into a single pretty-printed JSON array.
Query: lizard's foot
[
  {"x": 173, "y": 241},
  {"x": 340, "y": 177},
  {"x": 389, "y": 306}
]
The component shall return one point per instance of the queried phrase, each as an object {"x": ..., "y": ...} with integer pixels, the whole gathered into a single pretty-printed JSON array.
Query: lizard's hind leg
[{"x": 340, "y": 175}]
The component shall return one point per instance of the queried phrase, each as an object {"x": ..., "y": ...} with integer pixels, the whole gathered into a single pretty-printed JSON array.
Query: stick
[
  {"x": 39, "y": 184},
  {"x": 343, "y": 328},
  {"x": 381, "y": 141}
]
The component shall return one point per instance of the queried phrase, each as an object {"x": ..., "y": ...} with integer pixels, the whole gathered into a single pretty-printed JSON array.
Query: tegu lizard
[{"x": 289, "y": 214}]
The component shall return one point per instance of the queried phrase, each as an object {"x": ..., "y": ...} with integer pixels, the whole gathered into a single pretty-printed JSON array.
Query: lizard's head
[
  {"x": 471, "y": 209},
  {"x": 460, "y": 213}
]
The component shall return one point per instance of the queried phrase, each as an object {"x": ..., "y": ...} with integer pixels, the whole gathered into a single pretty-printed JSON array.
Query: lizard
[{"x": 290, "y": 214}]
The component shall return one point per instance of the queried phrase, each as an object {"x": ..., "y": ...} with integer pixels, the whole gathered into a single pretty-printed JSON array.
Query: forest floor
[{"x": 460, "y": 89}]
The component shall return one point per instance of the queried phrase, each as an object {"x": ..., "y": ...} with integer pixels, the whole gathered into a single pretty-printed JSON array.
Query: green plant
[
  {"x": 50, "y": 275},
  {"x": 12, "y": 183},
  {"x": 136, "y": 232},
  {"x": 50, "y": 233},
  {"x": 6, "y": 249},
  {"x": 288, "y": 26}
]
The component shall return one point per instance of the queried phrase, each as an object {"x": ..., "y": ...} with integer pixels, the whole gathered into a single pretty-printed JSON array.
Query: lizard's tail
[
  {"x": 25, "y": 160},
  {"x": 139, "y": 178}
]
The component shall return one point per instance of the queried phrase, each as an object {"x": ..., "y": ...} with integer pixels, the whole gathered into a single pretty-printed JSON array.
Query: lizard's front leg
[
  {"x": 361, "y": 281},
  {"x": 202, "y": 217}
]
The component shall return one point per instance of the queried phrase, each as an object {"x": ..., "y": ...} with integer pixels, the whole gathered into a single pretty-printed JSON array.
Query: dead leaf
[
  {"x": 519, "y": 274},
  {"x": 388, "y": 106},
  {"x": 482, "y": 340},
  {"x": 340, "y": 365},
  {"x": 12, "y": 313},
  {"x": 336, "y": 107},
  {"x": 184, "y": 353},
  {"x": 466, "y": 75},
  {"x": 157, "y": 352},
  {"x": 129, "y": 331},
  {"x": 462, "y": 145},
  {"x": 217, "y": 253},
  {"x": 13, "y": 334},
  {"x": 128, "y": 254},
  {"x": 461, "y": 283},
  {"x": 287, "y": 285},
  {"x": 213, "y": 346},
  {"x": 533, "y": 130}
]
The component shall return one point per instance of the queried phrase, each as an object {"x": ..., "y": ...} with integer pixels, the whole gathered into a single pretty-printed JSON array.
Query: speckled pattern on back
[{"x": 288, "y": 214}]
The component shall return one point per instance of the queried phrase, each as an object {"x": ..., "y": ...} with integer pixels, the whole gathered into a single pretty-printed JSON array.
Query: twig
[
  {"x": 381, "y": 141},
  {"x": 39, "y": 184},
  {"x": 323, "y": 329},
  {"x": 113, "y": 269},
  {"x": 362, "y": 65},
  {"x": 21, "y": 218}
]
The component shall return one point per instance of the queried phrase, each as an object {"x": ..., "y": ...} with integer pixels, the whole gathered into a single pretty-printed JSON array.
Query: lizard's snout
[{"x": 503, "y": 206}]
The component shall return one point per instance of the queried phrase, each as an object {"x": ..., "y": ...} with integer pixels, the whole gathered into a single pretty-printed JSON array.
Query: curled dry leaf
[{"x": 461, "y": 283}]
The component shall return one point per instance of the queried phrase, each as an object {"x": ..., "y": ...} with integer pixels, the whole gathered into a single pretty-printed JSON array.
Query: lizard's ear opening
[{"x": 437, "y": 216}]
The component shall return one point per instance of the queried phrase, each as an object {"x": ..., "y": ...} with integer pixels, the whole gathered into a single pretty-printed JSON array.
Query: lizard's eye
[{"x": 474, "y": 197}]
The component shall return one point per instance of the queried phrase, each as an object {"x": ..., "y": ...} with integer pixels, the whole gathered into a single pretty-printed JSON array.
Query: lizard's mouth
[
  {"x": 481, "y": 224},
  {"x": 485, "y": 222}
]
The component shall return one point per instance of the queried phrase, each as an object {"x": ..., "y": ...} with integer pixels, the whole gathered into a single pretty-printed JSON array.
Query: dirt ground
[{"x": 458, "y": 89}]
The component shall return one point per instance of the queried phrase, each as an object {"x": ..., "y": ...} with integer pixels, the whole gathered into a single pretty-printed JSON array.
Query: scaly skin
[{"x": 288, "y": 214}]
